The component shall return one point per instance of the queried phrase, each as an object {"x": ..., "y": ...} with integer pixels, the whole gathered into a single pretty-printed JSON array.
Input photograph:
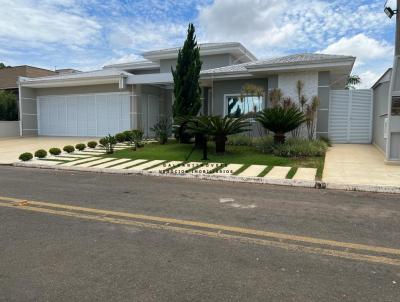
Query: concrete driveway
[
  {"x": 359, "y": 165},
  {"x": 11, "y": 148}
]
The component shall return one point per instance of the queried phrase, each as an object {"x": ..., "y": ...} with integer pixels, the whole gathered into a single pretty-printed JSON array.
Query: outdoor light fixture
[{"x": 389, "y": 12}]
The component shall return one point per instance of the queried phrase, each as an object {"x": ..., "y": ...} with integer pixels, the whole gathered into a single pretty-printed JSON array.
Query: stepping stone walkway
[
  {"x": 253, "y": 171},
  {"x": 305, "y": 174},
  {"x": 129, "y": 164},
  {"x": 93, "y": 163},
  {"x": 278, "y": 172},
  {"x": 186, "y": 167},
  {"x": 79, "y": 161},
  {"x": 113, "y": 163},
  {"x": 147, "y": 165},
  {"x": 165, "y": 166},
  {"x": 228, "y": 170},
  {"x": 207, "y": 168}
]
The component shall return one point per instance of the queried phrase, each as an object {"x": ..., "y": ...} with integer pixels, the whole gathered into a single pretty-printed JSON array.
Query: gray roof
[
  {"x": 80, "y": 75},
  {"x": 296, "y": 59},
  {"x": 201, "y": 45}
]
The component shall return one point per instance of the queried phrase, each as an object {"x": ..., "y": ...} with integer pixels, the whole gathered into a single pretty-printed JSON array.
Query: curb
[
  {"x": 363, "y": 188},
  {"x": 227, "y": 178}
]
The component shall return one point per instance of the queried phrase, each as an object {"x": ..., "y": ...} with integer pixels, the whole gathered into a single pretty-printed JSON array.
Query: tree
[
  {"x": 186, "y": 76},
  {"x": 2, "y": 65},
  {"x": 281, "y": 120},
  {"x": 352, "y": 81},
  {"x": 8, "y": 106}
]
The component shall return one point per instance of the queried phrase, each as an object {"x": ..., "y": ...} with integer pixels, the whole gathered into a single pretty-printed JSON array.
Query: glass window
[
  {"x": 247, "y": 106},
  {"x": 396, "y": 105}
]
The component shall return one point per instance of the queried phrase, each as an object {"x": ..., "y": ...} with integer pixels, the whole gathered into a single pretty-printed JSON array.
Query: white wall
[
  {"x": 9, "y": 128},
  {"x": 287, "y": 83}
]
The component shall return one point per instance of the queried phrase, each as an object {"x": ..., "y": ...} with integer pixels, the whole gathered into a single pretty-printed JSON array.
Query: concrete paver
[
  {"x": 359, "y": 164},
  {"x": 253, "y": 171},
  {"x": 147, "y": 165},
  {"x": 95, "y": 162},
  {"x": 129, "y": 164},
  {"x": 229, "y": 169},
  {"x": 207, "y": 168},
  {"x": 165, "y": 166},
  {"x": 278, "y": 172},
  {"x": 305, "y": 174},
  {"x": 115, "y": 162},
  {"x": 186, "y": 167}
]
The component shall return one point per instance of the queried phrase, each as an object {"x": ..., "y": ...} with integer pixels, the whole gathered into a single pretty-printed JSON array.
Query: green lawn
[{"x": 235, "y": 154}]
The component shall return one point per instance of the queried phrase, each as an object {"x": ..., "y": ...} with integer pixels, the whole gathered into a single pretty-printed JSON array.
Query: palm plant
[
  {"x": 311, "y": 114},
  {"x": 281, "y": 120},
  {"x": 219, "y": 128},
  {"x": 352, "y": 81}
]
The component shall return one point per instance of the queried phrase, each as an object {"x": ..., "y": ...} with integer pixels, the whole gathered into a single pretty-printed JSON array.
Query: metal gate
[{"x": 350, "y": 116}]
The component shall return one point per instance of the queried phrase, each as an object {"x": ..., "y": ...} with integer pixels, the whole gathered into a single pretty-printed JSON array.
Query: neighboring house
[
  {"x": 386, "y": 135},
  {"x": 8, "y": 82},
  {"x": 138, "y": 94}
]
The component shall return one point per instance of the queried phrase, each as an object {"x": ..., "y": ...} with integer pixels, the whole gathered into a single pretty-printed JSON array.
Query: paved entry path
[{"x": 359, "y": 164}]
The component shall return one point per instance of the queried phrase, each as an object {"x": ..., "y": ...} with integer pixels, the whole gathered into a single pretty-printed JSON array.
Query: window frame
[{"x": 226, "y": 96}]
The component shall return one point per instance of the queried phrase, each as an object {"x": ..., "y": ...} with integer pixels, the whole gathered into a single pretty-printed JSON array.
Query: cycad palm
[{"x": 281, "y": 120}]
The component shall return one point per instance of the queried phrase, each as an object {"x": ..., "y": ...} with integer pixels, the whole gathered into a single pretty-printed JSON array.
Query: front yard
[{"x": 245, "y": 155}]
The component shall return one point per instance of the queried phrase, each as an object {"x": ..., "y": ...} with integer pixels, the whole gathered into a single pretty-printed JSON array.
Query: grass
[{"x": 234, "y": 155}]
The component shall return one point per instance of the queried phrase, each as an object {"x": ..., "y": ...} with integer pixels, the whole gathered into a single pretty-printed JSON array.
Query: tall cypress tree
[{"x": 186, "y": 80}]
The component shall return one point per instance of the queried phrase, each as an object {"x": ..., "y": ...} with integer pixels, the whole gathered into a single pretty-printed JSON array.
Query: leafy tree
[
  {"x": 2, "y": 65},
  {"x": 8, "y": 106},
  {"x": 280, "y": 120},
  {"x": 352, "y": 81},
  {"x": 186, "y": 82}
]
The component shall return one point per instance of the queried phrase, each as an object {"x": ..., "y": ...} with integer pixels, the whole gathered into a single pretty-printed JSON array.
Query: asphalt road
[{"x": 134, "y": 238}]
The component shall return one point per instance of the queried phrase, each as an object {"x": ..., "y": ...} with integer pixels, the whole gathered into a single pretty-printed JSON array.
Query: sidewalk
[{"x": 351, "y": 166}]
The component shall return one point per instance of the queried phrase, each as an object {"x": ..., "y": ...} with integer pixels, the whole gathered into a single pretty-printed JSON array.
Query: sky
[{"x": 88, "y": 34}]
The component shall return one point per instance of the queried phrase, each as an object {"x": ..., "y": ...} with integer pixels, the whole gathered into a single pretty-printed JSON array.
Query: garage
[
  {"x": 83, "y": 115},
  {"x": 350, "y": 116}
]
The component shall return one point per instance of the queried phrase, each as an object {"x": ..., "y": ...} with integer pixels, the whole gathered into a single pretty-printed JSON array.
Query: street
[{"x": 74, "y": 236}]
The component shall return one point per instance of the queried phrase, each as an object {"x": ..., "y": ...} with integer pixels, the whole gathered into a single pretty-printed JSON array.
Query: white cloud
[
  {"x": 37, "y": 23},
  {"x": 123, "y": 59},
  {"x": 362, "y": 47}
]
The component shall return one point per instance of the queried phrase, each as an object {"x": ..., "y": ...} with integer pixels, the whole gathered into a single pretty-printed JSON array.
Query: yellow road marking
[
  {"x": 215, "y": 234},
  {"x": 279, "y": 236}
]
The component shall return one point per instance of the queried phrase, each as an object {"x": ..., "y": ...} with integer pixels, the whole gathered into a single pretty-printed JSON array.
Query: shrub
[
  {"x": 8, "y": 106},
  {"x": 297, "y": 147},
  {"x": 55, "y": 151},
  {"x": 26, "y": 156},
  {"x": 92, "y": 144},
  {"x": 240, "y": 140},
  {"x": 327, "y": 140},
  {"x": 108, "y": 143},
  {"x": 127, "y": 134},
  {"x": 120, "y": 137},
  {"x": 41, "y": 153},
  {"x": 265, "y": 144},
  {"x": 281, "y": 120},
  {"x": 135, "y": 138},
  {"x": 80, "y": 147},
  {"x": 162, "y": 130},
  {"x": 69, "y": 149}
]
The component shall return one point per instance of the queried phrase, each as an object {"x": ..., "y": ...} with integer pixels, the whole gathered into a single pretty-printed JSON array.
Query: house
[{"x": 139, "y": 93}]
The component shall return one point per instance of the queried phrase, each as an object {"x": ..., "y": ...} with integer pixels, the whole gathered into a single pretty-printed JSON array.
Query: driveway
[
  {"x": 359, "y": 165},
  {"x": 11, "y": 148}
]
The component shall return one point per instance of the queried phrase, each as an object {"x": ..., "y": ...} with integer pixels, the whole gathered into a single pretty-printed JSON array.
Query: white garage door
[
  {"x": 83, "y": 115},
  {"x": 350, "y": 116}
]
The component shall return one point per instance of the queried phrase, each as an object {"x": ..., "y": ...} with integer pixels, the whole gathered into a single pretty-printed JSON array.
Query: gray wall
[
  {"x": 324, "y": 83},
  {"x": 79, "y": 89},
  {"x": 28, "y": 112},
  {"x": 9, "y": 128},
  {"x": 381, "y": 97},
  {"x": 220, "y": 88},
  {"x": 213, "y": 61}
]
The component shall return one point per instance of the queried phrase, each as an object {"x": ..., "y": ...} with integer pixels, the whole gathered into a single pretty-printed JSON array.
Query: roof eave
[{"x": 49, "y": 83}]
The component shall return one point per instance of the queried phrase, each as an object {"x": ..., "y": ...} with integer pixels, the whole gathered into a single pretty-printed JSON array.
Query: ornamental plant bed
[{"x": 246, "y": 155}]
